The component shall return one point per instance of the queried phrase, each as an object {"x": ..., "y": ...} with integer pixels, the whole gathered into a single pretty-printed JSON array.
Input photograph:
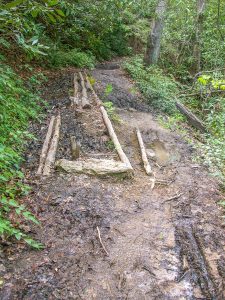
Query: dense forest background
[{"x": 51, "y": 34}]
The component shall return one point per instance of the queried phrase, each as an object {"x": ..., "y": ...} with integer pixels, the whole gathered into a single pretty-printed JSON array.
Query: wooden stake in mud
[
  {"x": 143, "y": 153},
  {"x": 46, "y": 146},
  {"x": 75, "y": 148},
  {"x": 75, "y": 99},
  {"x": 114, "y": 138},
  {"x": 50, "y": 159},
  {"x": 84, "y": 100}
]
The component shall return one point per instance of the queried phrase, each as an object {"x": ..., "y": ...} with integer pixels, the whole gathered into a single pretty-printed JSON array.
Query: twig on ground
[
  {"x": 100, "y": 239},
  {"x": 174, "y": 197}
]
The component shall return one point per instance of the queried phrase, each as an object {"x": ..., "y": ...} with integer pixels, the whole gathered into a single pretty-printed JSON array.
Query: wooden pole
[
  {"x": 114, "y": 138},
  {"x": 46, "y": 145},
  {"x": 50, "y": 159},
  {"x": 143, "y": 153}
]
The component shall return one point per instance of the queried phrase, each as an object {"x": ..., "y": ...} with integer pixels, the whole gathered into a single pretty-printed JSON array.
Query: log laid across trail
[
  {"x": 94, "y": 166},
  {"x": 85, "y": 101}
]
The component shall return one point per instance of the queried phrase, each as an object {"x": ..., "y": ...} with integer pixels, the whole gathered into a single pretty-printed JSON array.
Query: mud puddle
[{"x": 162, "y": 155}]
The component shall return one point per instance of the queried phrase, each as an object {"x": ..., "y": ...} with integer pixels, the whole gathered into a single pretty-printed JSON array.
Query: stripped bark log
[
  {"x": 50, "y": 159},
  {"x": 192, "y": 119},
  {"x": 84, "y": 100},
  {"x": 75, "y": 148},
  {"x": 93, "y": 166},
  {"x": 97, "y": 100},
  {"x": 114, "y": 138},
  {"x": 143, "y": 153},
  {"x": 46, "y": 146}
]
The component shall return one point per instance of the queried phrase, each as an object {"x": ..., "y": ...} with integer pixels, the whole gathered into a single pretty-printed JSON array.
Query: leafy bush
[
  {"x": 17, "y": 106},
  {"x": 73, "y": 57},
  {"x": 159, "y": 90}
]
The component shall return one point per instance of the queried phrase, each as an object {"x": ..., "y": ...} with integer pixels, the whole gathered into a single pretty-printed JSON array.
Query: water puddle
[{"x": 162, "y": 155}]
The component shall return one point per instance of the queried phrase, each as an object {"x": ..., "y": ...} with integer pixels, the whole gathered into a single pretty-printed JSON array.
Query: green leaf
[
  {"x": 14, "y": 4},
  {"x": 60, "y": 12}
]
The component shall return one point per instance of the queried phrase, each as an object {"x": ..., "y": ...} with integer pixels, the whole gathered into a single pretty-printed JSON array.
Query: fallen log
[
  {"x": 114, "y": 138},
  {"x": 84, "y": 100},
  {"x": 75, "y": 148},
  {"x": 143, "y": 153},
  {"x": 46, "y": 146},
  {"x": 93, "y": 166},
  {"x": 75, "y": 100},
  {"x": 50, "y": 159},
  {"x": 192, "y": 119}
]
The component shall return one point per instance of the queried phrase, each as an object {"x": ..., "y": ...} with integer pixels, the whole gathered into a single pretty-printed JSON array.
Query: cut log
[
  {"x": 192, "y": 119},
  {"x": 114, "y": 138},
  {"x": 46, "y": 146},
  {"x": 50, "y": 159},
  {"x": 75, "y": 148},
  {"x": 143, "y": 153},
  {"x": 93, "y": 166},
  {"x": 97, "y": 100},
  {"x": 84, "y": 100}
]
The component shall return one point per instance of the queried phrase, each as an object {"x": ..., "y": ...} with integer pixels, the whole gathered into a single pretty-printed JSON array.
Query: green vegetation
[{"x": 15, "y": 99}]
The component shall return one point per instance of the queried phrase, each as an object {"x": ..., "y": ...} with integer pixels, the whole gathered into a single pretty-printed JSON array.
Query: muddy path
[{"x": 165, "y": 243}]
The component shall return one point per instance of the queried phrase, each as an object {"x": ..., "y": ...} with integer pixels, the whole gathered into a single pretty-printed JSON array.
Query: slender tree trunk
[
  {"x": 198, "y": 35},
  {"x": 154, "y": 39}
]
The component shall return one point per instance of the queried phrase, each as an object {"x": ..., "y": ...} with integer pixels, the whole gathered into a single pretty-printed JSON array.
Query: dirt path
[{"x": 159, "y": 248}]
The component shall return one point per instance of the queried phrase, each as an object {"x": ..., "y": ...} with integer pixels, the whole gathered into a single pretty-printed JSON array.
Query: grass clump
[
  {"x": 18, "y": 106},
  {"x": 72, "y": 57}
]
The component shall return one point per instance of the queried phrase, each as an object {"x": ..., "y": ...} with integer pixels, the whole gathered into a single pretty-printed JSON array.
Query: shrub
[
  {"x": 17, "y": 106},
  {"x": 159, "y": 90},
  {"x": 72, "y": 57}
]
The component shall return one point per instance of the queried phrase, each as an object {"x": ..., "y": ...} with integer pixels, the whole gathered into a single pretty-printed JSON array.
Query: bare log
[
  {"x": 97, "y": 100},
  {"x": 75, "y": 148},
  {"x": 50, "y": 159},
  {"x": 84, "y": 100},
  {"x": 192, "y": 119},
  {"x": 114, "y": 138},
  {"x": 93, "y": 166},
  {"x": 143, "y": 153},
  {"x": 46, "y": 146}
]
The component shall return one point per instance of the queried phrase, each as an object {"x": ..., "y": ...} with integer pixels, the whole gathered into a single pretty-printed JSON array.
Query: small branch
[
  {"x": 100, "y": 239},
  {"x": 174, "y": 197}
]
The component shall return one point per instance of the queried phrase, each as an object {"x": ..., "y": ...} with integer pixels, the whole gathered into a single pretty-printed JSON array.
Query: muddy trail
[{"x": 164, "y": 242}]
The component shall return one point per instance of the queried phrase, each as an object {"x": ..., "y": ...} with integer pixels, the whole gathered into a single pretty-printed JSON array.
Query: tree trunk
[
  {"x": 198, "y": 35},
  {"x": 154, "y": 39}
]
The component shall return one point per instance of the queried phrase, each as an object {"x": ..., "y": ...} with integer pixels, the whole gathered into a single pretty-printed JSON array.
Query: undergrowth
[
  {"x": 18, "y": 106},
  {"x": 159, "y": 90},
  {"x": 73, "y": 57}
]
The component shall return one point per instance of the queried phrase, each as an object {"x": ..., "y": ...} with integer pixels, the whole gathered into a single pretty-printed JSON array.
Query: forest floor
[{"x": 158, "y": 247}]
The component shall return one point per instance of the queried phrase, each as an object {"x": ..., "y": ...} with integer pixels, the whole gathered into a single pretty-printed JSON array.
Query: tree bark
[
  {"x": 201, "y": 4},
  {"x": 154, "y": 39}
]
